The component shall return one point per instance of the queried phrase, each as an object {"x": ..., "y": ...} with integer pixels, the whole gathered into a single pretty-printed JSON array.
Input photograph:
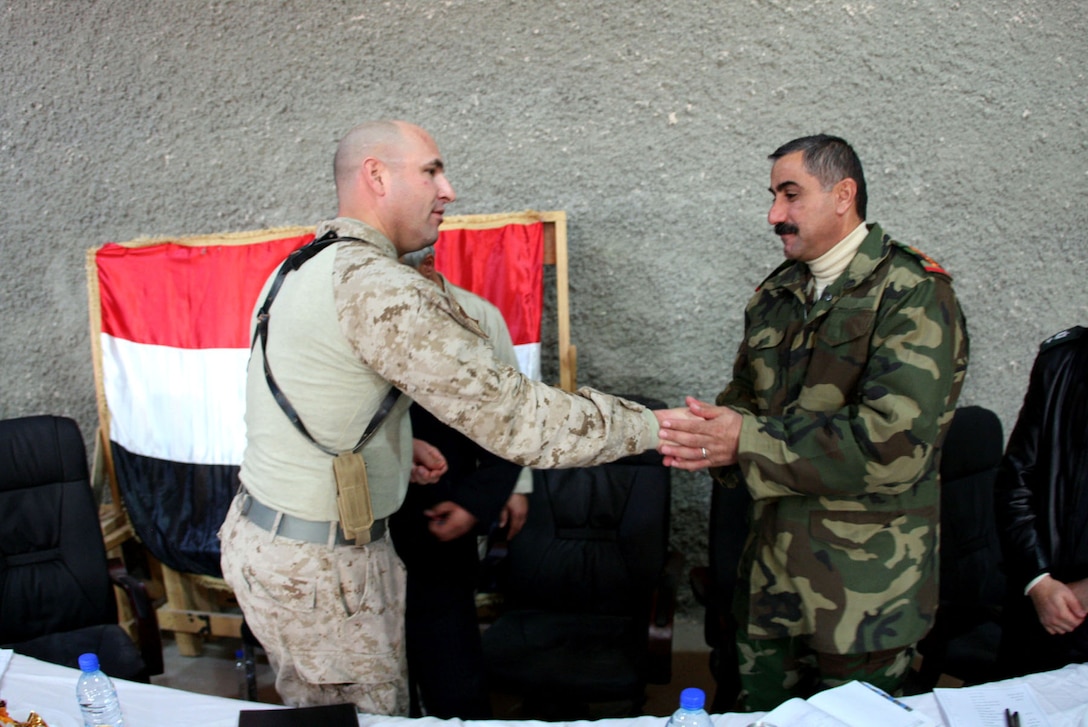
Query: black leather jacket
[{"x": 1041, "y": 493}]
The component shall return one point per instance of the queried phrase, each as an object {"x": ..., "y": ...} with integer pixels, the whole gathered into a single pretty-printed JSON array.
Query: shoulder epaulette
[
  {"x": 928, "y": 264},
  {"x": 1066, "y": 336}
]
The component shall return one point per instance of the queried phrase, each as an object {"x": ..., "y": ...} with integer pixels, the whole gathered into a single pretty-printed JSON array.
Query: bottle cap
[
  {"x": 692, "y": 698},
  {"x": 88, "y": 662}
]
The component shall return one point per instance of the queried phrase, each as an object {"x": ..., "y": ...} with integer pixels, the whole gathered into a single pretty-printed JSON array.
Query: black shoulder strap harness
[{"x": 293, "y": 262}]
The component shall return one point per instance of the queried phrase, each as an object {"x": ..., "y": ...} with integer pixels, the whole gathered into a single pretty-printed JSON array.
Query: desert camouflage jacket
[
  {"x": 846, "y": 402},
  {"x": 353, "y": 321}
]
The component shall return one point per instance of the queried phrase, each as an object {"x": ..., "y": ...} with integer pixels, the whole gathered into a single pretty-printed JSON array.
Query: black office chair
[
  {"x": 56, "y": 586},
  {"x": 589, "y": 589},
  {"x": 964, "y": 638}
]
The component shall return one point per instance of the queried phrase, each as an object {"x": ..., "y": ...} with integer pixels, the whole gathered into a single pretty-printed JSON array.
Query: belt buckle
[{"x": 247, "y": 502}]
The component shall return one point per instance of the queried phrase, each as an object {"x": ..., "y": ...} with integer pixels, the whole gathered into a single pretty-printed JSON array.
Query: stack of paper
[
  {"x": 983, "y": 706},
  {"x": 855, "y": 704}
]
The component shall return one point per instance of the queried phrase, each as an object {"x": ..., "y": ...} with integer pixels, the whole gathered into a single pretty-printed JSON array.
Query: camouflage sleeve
[
  {"x": 416, "y": 337},
  {"x": 739, "y": 394},
  {"x": 498, "y": 334},
  {"x": 879, "y": 436}
]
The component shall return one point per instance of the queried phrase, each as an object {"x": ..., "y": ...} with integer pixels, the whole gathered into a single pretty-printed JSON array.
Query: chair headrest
[
  {"x": 40, "y": 450},
  {"x": 975, "y": 443}
]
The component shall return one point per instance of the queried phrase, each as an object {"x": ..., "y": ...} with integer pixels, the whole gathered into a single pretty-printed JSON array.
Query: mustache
[{"x": 785, "y": 228}]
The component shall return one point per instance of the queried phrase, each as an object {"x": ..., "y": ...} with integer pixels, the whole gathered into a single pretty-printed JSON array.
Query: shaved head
[
  {"x": 390, "y": 175},
  {"x": 374, "y": 138}
]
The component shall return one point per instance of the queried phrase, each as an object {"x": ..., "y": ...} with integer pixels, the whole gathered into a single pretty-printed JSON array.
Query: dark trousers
[{"x": 445, "y": 656}]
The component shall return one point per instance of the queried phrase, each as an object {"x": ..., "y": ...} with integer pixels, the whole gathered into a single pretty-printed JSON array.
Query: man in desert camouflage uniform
[
  {"x": 853, "y": 356},
  {"x": 346, "y": 327}
]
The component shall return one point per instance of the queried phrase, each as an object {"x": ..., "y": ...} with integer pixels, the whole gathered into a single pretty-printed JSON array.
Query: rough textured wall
[{"x": 648, "y": 122}]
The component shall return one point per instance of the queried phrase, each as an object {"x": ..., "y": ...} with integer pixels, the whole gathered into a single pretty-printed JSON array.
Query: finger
[
  {"x": 700, "y": 408},
  {"x": 685, "y": 464},
  {"x": 439, "y": 529},
  {"x": 668, "y": 417},
  {"x": 676, "y": 438},
  {"x": 697, "y": 453}
]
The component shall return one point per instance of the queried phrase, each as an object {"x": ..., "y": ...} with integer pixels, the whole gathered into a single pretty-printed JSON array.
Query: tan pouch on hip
[{"x": 353, "y": 496}]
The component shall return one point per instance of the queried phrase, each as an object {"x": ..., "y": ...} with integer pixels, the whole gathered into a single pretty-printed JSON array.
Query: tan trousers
[{"x": 331, "y": 620}]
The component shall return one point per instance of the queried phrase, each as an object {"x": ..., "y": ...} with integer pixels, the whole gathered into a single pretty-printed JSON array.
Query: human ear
[
  {"x": 427, "y": 267},
  {"x": 374, "y": 174},
  {"x": 846, "y": 191}
]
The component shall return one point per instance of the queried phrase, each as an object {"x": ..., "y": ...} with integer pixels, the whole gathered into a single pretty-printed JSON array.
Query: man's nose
[
  {"x": 445, "y": 190},
  {"x": 776, "y": 213}
]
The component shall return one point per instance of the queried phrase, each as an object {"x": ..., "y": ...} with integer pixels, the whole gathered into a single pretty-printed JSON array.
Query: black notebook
[{"x": 332, "y": 715}]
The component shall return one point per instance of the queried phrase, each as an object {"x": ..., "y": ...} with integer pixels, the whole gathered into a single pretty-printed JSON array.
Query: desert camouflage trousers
[
  {"x": 330, "y": 619},
  {"x": 774, "y": 670}
]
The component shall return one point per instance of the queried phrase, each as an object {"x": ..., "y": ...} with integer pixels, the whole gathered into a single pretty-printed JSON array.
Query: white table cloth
[{"x": 50, "y": 690}]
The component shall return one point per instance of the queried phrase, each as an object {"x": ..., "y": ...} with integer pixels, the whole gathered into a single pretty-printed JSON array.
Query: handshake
[{"x": 698, "y": 435}]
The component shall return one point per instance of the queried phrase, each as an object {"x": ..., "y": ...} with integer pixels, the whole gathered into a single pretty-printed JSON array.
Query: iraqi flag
[
  {"x": 170, "y": 323},
  {"x": 505, "y": 265},
  {"x": 173, "y": 344}
]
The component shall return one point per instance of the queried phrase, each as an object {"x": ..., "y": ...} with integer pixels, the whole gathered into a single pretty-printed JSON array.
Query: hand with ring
[{"x": 686, "y": 433}]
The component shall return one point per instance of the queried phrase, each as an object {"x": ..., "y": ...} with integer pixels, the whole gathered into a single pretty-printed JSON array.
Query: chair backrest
[
  {"x": 970, "y": 553},
  {"x": 53, "y": 571},
  {"x": 595, "y": 541}
]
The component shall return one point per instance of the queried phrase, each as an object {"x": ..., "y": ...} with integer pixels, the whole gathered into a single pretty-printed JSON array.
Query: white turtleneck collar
[{"x": 829, "y": 266}]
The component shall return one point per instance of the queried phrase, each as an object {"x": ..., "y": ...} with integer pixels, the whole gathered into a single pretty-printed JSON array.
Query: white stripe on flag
[
  {"x": 183, "y": 405},
  {"x": 529, "y": 359}
]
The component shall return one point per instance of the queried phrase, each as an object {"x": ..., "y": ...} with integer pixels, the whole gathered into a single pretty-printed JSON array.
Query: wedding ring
[{"x": 704, "y": 453}]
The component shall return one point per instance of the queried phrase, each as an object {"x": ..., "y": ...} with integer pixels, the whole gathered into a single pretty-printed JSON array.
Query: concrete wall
[{"x": 648, "y": 122}]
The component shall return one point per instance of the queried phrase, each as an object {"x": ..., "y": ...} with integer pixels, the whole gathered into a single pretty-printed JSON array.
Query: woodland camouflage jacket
[{"x": 846, "y": 402}]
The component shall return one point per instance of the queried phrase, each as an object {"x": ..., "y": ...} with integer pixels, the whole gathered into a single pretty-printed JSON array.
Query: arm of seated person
[
  {"x": 428, "y": 464},
  {"x": 448, "y": 521},
  {"x": 514, "y": 514},
  {"x": 1058, "y": 608}
]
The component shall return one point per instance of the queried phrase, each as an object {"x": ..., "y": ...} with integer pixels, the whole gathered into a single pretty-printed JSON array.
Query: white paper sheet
[
  {"x": 853, "y": 704},
  {"x": 985, "y": 706}
]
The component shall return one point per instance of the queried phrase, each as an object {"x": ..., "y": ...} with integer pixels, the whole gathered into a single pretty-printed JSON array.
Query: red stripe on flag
[
  {"x": 186, "y": 297},
  {"x": 504, "y": 265}
]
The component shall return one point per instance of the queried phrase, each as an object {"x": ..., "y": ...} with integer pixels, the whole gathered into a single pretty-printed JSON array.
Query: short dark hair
[{"x": 830, "y": 159}]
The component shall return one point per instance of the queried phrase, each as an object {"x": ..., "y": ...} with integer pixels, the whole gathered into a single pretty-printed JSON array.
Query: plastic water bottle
[
  {"x": 246, "y": 669},
  {"x": 97, "y": 697},
  {"x": 691, "y": 712}
]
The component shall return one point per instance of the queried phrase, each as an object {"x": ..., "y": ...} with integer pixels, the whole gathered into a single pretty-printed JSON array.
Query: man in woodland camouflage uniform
[
  {"x": 346, "y": 327},
  {"x": 853, "y": 356}
]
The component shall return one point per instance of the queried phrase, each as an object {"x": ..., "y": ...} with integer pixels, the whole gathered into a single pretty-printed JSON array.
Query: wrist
[{"x": 1034, "y": 582}]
